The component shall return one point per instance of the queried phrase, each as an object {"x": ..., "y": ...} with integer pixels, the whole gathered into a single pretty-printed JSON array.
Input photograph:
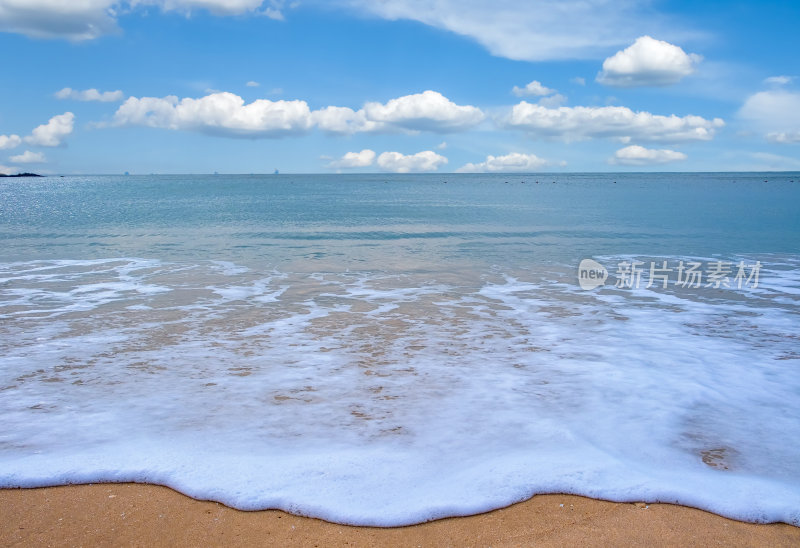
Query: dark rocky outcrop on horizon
[{"x": 22, "y": 175}]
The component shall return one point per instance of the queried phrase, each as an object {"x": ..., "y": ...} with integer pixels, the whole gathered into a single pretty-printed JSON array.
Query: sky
[{"x": 353, "y": 86}]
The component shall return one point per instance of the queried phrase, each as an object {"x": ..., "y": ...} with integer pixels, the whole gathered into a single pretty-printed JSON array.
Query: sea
[{"x": 386, "y": 349}]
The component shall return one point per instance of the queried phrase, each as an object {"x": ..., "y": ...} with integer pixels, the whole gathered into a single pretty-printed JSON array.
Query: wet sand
[{"x": 147, "y": 515}]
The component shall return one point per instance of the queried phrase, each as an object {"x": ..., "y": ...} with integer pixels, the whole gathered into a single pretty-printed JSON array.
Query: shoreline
[{"x": 143, "y": 514}]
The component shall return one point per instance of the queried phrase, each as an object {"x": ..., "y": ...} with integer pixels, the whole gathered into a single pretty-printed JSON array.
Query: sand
[{"x": 147, "y": 515}]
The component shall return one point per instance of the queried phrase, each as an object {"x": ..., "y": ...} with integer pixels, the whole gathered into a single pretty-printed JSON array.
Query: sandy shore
[{"x": 127, "y": 514}]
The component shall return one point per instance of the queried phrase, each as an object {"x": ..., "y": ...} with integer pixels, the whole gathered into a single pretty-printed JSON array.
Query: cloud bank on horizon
[{"x": 362, "y": 77}]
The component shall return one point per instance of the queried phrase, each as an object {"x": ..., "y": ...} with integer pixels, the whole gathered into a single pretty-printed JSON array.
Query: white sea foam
[{"x": 381, "y": 399}]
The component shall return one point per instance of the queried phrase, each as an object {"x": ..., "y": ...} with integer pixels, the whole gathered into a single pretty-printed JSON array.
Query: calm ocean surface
[{"x": 390, "y": 349}]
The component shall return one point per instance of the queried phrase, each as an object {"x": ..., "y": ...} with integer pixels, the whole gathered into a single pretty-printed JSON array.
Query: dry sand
[{"x": 147, "y": 515}]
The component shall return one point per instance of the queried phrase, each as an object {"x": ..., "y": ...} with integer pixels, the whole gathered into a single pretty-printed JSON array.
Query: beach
[{"x": 147, "y": 515}]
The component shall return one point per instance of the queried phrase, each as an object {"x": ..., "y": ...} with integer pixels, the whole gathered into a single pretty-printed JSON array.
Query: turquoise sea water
[
  {"x": 388, "y": 349},
  {"x": 452, "y": 216}
]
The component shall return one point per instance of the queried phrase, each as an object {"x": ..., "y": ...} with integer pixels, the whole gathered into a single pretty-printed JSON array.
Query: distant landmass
[{"x": 22, "y": 175}]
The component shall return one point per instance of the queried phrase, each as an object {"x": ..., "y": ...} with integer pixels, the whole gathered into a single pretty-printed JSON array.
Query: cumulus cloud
[
  {"x": 225, "y": 113},
  {"x": 29, "y": 157},
  {"x": 9, "y": 141},
  {"x": 775, "y": 113},
  {"x": 648, "y": 62},
  {"x": 534, "y": 88},
  {"x": 621, "y": 123},
  {"x": 427, "y": 160},
  {"x": 252, "y": 84},
  {"x": 510, "y": 162},
  {"x": 343, "y": 120},
  {"x": 8, "y": 170},
  {"x": 88, "y": 19},
  {"x": 218, "y": 113},
  {"x": 53, "y": 132},
  {"x": 636, "y": 155},
  {"x": 50, "y": 134},
  {"x": 354, "y": 159},
  {"x": 525, "y": 30},
  {"x": 578, "y": 80},
  {"x": 90, "y": 95},
  {"x": 426, "y": 111}
]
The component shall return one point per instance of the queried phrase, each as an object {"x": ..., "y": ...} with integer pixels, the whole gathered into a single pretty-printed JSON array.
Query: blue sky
[{"x": 249, "y": 86}]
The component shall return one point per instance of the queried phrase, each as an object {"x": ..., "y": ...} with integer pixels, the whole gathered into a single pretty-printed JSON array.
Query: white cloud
[
  {"x": 273, "y": 8},
  {"x": 636, "y": 155},
  {"x": 578, "y": 80},
  {"x": 621, "y": 123},
  {"x": 88, "y": 19},
  {"x": 29, "y": 157},
  {"x": 343, "y": 120},
  {"x": 525, "y": 30},
  {"x": 442, "y": 145},
  {"x": 252, "y": 84},
  {"x": 53, "y": 132},
  {"x": 648, "y": 62},
  {"x": 8, "y": 170},
  {"x": 90, "y": 95},
  {"x": 553, "y": 101},
  {"x": 779, "y": 80},
  {"x": 426, "y": 111},
  {"x": 46, "y": 135},
  {"x": 218, "y": 113},
  {"x": 225, "y": 113},
  {"x": 784, "y": 137},
  {"x": 217, "y": 7},
  {"x": 534, "y": 88},
  {"x": 775, "y": 113},
  {"x": 74, "y": 20},
  {"x": 510, "y": 162},
  {"x": 354, "y": 159},
  {"x": 273, "y": 13},
  {"x": 9, "y": 141},
  {"x": 427, "y": 160}
]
